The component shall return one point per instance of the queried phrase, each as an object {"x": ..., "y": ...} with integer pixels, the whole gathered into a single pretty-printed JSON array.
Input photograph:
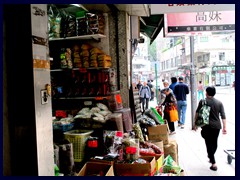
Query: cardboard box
[
  {"x": 94, "y": 169},
  {"x": 159, "y": 161},
  {"x": 147, "y": 169},
  {"x": 172, "y": 150},
  {"x": 102, "y": 161},
  {"x": 158, "y": 133}
]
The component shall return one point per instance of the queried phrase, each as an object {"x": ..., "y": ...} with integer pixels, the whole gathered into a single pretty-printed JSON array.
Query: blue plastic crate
[{"x": 63, "y": 127}]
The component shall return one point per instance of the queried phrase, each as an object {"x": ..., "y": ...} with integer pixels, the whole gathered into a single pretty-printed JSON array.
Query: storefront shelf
[
  {"x": 92, "y": 36},
  {"x": 76, "y": 69},
  {"x": 90, "y": 98}
]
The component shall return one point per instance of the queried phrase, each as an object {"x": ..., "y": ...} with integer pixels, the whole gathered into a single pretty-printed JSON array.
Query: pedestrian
[
  {"x": 211, "y": 131},
  {"x": 200, "y": 90},
  {"x": 173, "y": 83},
  {"x": 233, "y": 85},
  {"x": 181, "y": 90},
  {"x": 165, "y": 83},
  {"x": 151, "y": 88},
  {"x": 145, "y": 95},
  {"x": 169, "y": 101},
  {"x": 162, "y": 95},
  {"x": 139, "y": 85}
]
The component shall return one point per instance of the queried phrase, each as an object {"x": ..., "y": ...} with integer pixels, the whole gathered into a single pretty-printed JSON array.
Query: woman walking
[
  {"x": 169, "y": 102},
  {"x": 211, "y": 131},
  {"x": 200, "y": 90}
]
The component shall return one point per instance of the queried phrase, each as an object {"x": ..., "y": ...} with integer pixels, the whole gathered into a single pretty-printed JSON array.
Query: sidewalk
[{"x": 192, "y": 150}]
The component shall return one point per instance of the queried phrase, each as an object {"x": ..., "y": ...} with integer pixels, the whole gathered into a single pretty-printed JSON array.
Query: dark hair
[
  {"x": 173, "y": 79},
  {"x": 180, "y": 78},
  {"x": 211, "y": 91},
  {"x": 200, "y": 82}
]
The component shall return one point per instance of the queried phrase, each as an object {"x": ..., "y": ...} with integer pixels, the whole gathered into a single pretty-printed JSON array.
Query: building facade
[{"x": 214, "y": 58}]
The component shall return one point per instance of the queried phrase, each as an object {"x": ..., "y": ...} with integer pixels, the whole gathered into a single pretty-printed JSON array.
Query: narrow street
[{"x": 191, "y": 146}]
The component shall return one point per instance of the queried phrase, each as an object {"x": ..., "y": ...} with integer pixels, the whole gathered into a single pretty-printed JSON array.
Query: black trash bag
[
  {"x": 151, "y": 114},
  {"x": 146, "y": 121}
]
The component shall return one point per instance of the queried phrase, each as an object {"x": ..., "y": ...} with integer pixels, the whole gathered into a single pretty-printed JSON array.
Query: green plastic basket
[{"x": 78, "y": 139}]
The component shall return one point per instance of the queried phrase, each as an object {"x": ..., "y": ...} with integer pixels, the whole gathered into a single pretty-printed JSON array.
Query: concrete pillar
[
  {"x": 27, "y": 121},
  {"x": 119, "y": 40},
  {"x": 124, "y": 56}
]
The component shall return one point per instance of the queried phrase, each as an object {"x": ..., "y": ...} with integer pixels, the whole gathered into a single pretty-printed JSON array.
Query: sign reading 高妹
[{"x": 177, "y": 24}]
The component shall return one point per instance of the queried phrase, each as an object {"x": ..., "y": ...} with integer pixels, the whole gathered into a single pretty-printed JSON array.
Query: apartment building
[{"x": 214, "y": 58}]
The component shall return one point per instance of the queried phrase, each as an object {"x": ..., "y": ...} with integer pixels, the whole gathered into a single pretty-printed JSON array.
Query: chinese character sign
[{"x": 200, "y": 22}]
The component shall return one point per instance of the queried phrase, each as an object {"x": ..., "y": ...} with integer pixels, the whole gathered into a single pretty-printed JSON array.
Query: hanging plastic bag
[{"x": 173, "y": 113}]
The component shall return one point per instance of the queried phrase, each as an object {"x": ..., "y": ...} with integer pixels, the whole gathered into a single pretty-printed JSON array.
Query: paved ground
[{"x": 191, "y": 146}]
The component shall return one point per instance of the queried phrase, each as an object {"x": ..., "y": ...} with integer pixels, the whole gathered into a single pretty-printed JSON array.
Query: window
[
  {"x": 199, "y": 59},
  {"x": 204, "y": 39},
  {"x": 206, "y": 57},
  {"x": 168, "y": 64},
  {"x": 172, "y": 63},
  {"x": 225, "y": 40},
  {"x": 171, "y": 43},
  {"x": 222, "y": 56},
  {"x": 163, "y": 65},
  {"x": 176, "y": 61}
]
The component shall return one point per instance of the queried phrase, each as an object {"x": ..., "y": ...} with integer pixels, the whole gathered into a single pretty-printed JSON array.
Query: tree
[{"x": 152, "y": 50}]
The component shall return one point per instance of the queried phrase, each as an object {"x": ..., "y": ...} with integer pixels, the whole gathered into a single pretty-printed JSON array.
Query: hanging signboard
[
  {"x": 197, "y": 23},
  {"x": 182, "y": 8}
]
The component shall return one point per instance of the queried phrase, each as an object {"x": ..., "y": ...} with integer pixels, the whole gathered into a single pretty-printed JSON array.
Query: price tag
[
  {"x": 60, "y": 113},
  {"x": 119, "y": 134},
  {"x": 118, "y": 98},
  {"x": 131, "y": 150},
  {"x": 93, "y": 143}
]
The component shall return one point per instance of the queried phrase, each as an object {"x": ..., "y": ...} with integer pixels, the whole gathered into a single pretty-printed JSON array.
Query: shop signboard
[
  {"x": 181, "y": 8},
  {"x": 198, "y": 23}
]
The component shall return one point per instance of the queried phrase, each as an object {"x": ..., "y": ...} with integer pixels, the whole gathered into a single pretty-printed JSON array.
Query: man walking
[{"x": 181, "y": 90}]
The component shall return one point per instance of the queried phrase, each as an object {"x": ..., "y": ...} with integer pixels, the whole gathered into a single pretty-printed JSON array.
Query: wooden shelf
[
  {"x": 84, "y": 98},
  {"x": 93, "y": 36},
  {"x": 77, "y": 69}
]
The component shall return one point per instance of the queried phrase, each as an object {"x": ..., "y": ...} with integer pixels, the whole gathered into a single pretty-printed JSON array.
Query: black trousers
[
  {"x": 170, "y": 124},
  {"x": 145, "y": 102},
  {"x": 211, "y": 139}
]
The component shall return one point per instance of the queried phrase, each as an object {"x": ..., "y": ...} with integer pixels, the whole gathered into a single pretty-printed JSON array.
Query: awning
[{"x": 151, "y": 26}]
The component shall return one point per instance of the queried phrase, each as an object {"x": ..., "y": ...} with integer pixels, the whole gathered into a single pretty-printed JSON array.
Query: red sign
[
  {"x": 199, "y": 22},
  {"x": 119, "y": 134},
  {"x": 93, "y": 143},
  {"x": 60, "y": 113}
]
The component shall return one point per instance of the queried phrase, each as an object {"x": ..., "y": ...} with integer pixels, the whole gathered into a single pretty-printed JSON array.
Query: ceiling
[{"x": 135, "y": 9}]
